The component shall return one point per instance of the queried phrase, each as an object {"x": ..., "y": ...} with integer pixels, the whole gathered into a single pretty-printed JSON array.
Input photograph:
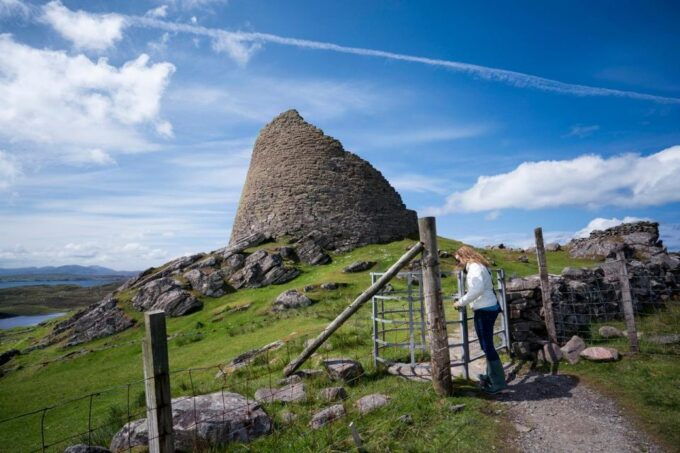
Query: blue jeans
[{"x": 484, "y": 321}]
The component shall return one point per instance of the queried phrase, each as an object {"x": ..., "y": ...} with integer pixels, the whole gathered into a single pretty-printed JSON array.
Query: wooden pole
[
  {"x": 157, "y": 383},
  {"x": 352, "y": 308},
  {"x": 545, "y": 286},
  {"x": 440, "y": 360},
  {"x": 627, "y": 302}
]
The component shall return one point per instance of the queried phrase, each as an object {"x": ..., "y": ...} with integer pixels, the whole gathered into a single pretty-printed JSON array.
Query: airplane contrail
[{"x": 513, "y": 78}]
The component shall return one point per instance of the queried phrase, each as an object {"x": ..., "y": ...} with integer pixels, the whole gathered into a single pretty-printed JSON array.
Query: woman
[{"x": 481, "y": 296}]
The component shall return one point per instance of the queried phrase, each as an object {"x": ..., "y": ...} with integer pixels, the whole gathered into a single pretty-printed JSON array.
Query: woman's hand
[{"x": 458, "y": 304}]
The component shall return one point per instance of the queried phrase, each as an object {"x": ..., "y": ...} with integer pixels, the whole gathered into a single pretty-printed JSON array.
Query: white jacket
[{"x": 479, "y": 287}]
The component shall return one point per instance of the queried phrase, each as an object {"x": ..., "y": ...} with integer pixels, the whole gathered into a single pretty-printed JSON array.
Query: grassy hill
[{"x": 218, "y": 333}]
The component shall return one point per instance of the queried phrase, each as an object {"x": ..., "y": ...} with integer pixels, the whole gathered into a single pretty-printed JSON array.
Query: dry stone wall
[
  {"x": 581, "y": 297},
  {"x": 302, "y": 182}
]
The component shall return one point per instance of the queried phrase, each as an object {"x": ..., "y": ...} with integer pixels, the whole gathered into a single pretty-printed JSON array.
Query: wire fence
[
  {"x": 238, "y": 391},
  {"x": 591, "y": 304}
]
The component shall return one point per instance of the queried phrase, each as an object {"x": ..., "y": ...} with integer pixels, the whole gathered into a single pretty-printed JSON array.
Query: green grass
[{"x": 214, "y": 335}]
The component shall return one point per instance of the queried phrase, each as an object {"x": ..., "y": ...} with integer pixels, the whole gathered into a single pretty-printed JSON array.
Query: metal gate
[{"x": 399, "y": 324}]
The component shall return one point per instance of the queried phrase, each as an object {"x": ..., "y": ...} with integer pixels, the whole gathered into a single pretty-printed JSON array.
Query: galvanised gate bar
[{"x": 399, "y": 324}]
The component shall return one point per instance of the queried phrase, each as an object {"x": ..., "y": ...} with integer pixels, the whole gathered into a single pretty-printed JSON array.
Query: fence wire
[{"x": 593, "y": 307}]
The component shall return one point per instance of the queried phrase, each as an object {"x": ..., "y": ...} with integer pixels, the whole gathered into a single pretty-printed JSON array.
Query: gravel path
[{"x": 557, "y": 413}]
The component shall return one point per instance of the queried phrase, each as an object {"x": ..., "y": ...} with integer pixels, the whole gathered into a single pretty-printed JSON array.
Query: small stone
[
  {"x": 327, "y": 415},
  {"x": 292, "y": 393},
  {"x": 82, "y": 448},
  {"x": 359, "y": 266},
  {"x": 309, "y": 288},
  {"x": 671, "y": 338},
  {"x": 330, "y": 286},
  {"x": 292, "y": 379},
  {"x": 332, "y": 394},
  {"x": 573, "y": 348},
  {"x": 406, "y": 419},
  {"x": 287, "y": 417},
  {"x": 343, "y": 369},
  {"x": 609, "y": 332},
  {"x": 456, "y": 407},
  {"x": 600, "y": 354},
  {"x": 552, "y": 353},
  {"x": 372, "y": 402},
  {"x": 522, "y": 429},
  {"x": 523, "y": 259}
]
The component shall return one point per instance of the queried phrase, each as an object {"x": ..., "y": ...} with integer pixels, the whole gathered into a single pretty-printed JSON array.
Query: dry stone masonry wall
[
  {"x": 581, "y": 297},
  {"x": 302, "y": 182}
]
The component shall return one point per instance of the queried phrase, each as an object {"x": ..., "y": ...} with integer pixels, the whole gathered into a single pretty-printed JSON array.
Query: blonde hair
[{"x": 466, "y": 255}]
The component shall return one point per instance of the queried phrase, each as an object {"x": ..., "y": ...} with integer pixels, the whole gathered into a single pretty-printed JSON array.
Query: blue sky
[{"x": 126, "y": 128}]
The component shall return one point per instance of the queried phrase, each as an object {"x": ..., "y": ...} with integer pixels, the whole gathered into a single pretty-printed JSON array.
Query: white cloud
[
  {"x": 625, "y": 180},
  {"x": 51, "y": 98},
  {"x": 238, "y": 49},
  {"x": 600, "y": 223},
  {"x": 582, "y": 131},
  {"x": 161, "y": 11},
  {"x": 492, "y": 215},
  {"x": 83, "y": 29},
  {"x": 14, "y": 7},
  {"x": 10, "y": 170},
  {"x": 95, "y": 156},
  {"x": 194, "y": 4}
]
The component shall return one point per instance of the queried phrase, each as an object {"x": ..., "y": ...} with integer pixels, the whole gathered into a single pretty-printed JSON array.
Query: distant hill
[{"x": 71, "y": 270}]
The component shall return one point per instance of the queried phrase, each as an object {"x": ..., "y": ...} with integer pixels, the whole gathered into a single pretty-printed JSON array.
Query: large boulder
[
  {"x": 168, "y": 295},
  {"x": 96, "y": 321},
  {"x": 291, "y": 299},
  {"x": 216, "y": 419}
]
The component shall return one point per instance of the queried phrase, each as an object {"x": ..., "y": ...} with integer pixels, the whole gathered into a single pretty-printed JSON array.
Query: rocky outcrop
[
  {"x": 207, "y": 281},
  {"x": 216, "y": 419},
  {"x": 96, "y": 321},
  {"x": 639, "y": 240},
  {"x": 262, "y": 269},
  {"x": 303, "y": 181},
  {"x": 168, "y": 295}
]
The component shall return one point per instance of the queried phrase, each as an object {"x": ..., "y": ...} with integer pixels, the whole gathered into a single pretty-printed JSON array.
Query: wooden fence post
[
  {"x": 545, "y": 285},
  {"x": 627, "y": 302},
  {"x": 157, "y": 383},
  {"x": 436, "y": 320}
]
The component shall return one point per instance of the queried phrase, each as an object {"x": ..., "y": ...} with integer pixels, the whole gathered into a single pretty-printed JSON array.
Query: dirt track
[{"x": 557, "y": 413}]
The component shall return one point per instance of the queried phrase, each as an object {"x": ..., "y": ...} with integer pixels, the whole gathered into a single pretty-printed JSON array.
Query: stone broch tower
[{"x": 303, "y": 182}]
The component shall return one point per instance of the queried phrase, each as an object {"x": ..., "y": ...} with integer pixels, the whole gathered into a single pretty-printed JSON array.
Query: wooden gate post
[
  {"x": 157, "y": 383},
  {"x": 627, "y": 302},
  {"x": 436, "y": 320},
  {"x": 545, "y": 285}
]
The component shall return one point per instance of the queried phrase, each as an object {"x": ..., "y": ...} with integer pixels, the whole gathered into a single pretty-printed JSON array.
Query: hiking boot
[
  {"x": 484, "y": 379},
  {"x": 496, "y": 376}
]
